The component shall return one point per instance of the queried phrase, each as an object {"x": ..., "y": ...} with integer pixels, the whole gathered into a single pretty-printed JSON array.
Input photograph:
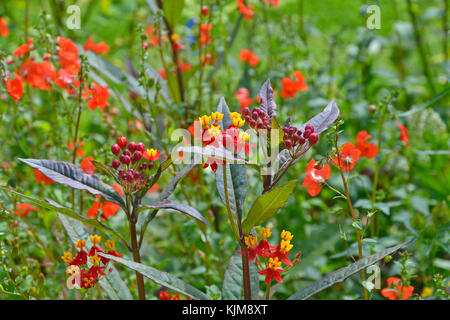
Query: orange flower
[
  {"x": 38, "y": 75},
  {"x": 22, "y": 209},
  {"x": 272, "y": 271},
  {"x": 80, "y": 152},
  {"x": 244, "y": 98},
  {"x": 208, "y": 58},
  {"x": 108, "y": 209},
  {"x": 15, "y": 87},
  {"x": 369, "y": 150},
  {"x": 99, "y": 48},
  {"x": 247, "y": 11},
  {"x": 184, "y": 66},
  {"x": 68, "y": 55},
  {"x": 249, "y": 57},
  {"x": 40, "y": 177},
  {"x": 348, "y": 157},
  {"x": 291, "y": 87},
  {"x": 404, "y": 134},
  {"x": 205, "y": 37},
  {"x": 395, "y": 291},
  {"x": 4, "y": 31},
  {"x": 162, "y": 73},
  {"x": 23, "y": 49},
  {"x": 97, "y": 96},
  {"x": 315, "y": 178},
  {"x": 87, "y": 165},
  {"x": 153, "y": 189}
]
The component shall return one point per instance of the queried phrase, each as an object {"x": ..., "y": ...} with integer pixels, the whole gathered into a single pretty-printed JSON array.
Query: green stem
[{"x": 354, "y": 218}]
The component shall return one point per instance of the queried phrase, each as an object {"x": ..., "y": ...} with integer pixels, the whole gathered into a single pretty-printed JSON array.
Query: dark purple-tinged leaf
[
  {"x": 162, "y": 278},
  {"x": 267, "y": 104},
  {"x": 267, "y": 204},
  {"x": 73, "y": 176},
  {"x": 170, "y": 188},
  {"x": 236, "y": 185},
  {"x": 53, "y": 206},
  {"x": 343, "y": 273},
  {"x": 183, "y": 208},
  {"x": 232, "y": 282},
  {"x": 323, "y": 120},
  {"x": 222, "y": 107},
  {"x": 288, "y": 122}
]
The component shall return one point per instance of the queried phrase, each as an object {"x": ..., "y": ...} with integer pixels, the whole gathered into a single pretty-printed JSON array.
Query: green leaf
[
  {"x": 236, "y": 185},
  {"x": 183, "y": 208},
  {"x": 170, "y": 188},
  {"x": 53, "y": 206},
  {"x": 113, "y": 284},
  {"x": 162, "y": 278},
  {"x": 222, "y": 107},
  {"x": 343, "y": 273},
  {"x": 267, "y": 204},
  {"x": 73, "y": 176},
  {"x": 232, "y": 288},
  {"x": 172, "y": 11}
]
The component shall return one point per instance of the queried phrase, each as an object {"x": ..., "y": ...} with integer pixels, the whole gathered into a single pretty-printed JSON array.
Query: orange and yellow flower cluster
[
  {"x": 88, "y": 266},
  {"x": 272, "y": 257}
]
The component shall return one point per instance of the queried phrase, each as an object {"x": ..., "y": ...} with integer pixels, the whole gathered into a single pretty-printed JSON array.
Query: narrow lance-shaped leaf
[
  {"x": 53, "y": 206},
  {"x": 343, "y": 273},
  {"x": 267, "y": 104},
  {"x": 183, "y": 208},
  {"x": 170, "y": 188},
  {"x": 73, "y": 176},
  {"x": 232, "y": 282},
  {"x": 267, "y": 204},
  {"x": 112, "y": 283},
  {"x": 162, "y": 278},
  {"x": 222, "y": 107},
  {"x": 236, "y": 186}
]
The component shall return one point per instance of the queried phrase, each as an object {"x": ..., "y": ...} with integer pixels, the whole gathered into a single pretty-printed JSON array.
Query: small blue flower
[{"x": 190, "y": 23}]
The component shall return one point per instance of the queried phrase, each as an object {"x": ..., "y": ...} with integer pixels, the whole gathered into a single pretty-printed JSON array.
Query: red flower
[
  {"x": 395, "y": 291},
  {"x": 348, "y": 157},
  {"x": 250, "y": 242},
  {"x": 291, "y": 87},
  {"x": 23, "y": 49},
  {"x": 272, "y": 271},
  {"x": 40, "y": 177},
  {"x": 247, "y": 11},
  {"x": 22, "y": 209},
  {"x": 315, "y": 178},
  {"x": 152, "y": 154},
  {"x": 107, "y": 208},
  {"x": 244, "y": 98},
  {"x": 4, "y": 31},
  {"x": 162, "y": 73},
  {"x": 87, "y": 165},
  {"x": 369, "y": 150},
  {"x": 99, "y": 48},
  {"x": 38, "y": 75},
  {"x": 97, "y": 96},
  {"x": 249, "y": 57},
  {"x": 404, "y": 134},
  {"x": 15, "y": 87},
  {"x": 68, "y": 55}
]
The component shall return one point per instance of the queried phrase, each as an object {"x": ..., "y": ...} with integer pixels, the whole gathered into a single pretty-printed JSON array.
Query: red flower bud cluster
[
  {"x": 294, "y": 136},
  {"x": 131, "y": 169},
  {"x": 257, "y": 119}
]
